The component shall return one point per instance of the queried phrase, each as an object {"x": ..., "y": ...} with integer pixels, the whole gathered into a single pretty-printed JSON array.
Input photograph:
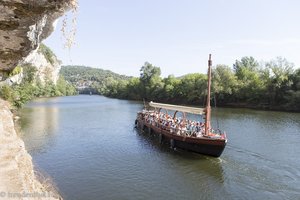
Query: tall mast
[{"x": 208, "y": 109}]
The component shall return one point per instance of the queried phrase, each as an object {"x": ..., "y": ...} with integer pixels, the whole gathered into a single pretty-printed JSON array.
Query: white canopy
[{"x": 186, "y": 109}]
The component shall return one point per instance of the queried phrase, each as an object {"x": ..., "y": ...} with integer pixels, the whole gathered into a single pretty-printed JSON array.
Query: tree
[
  {"x": 29, "y": 73},
  {"x": 250, "y": 85},
  {"x": 149, "y": 71},
  {"x": 169, "y": 90},
  {"x": 149, "y": 78},
  {"x": 280, "y": 83},
  {"x": 134, "y": 89},
  {"x": 192, "y": 88},
  {"x": 224, "y": 83},
  {"x": 245, "y": 65},
  {"x": 61, "y": 85}
]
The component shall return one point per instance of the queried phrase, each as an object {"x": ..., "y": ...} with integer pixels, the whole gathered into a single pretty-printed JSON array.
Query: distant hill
[{"x": 84, "y": 78}]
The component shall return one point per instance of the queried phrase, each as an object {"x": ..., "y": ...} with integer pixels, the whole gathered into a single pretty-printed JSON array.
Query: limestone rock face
[
  {"x": 23, "y": 25},
  {"x": 45, "y": 69}
]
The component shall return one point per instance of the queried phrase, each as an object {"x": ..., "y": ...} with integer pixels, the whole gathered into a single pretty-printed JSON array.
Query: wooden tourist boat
[{"x": 199, "y": 138}]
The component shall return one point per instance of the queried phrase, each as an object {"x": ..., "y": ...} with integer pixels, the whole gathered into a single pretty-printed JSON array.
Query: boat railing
[{"x": 217, "y": 134}]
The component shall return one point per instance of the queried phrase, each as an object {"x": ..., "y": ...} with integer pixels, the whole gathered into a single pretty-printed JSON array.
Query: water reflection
[
  {"x": 198, "y": 163},
  {"x": 39, "y": 122},
  {"x": 89, "y": 146}
]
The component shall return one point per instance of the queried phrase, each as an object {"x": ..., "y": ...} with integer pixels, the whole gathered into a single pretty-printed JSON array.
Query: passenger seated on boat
[
  {"x": 199, "y": 134},
  {"x": 198, "y": 127},
  {"x": 178, "y": 130},
  {"x": 194, "y": 134},
  {"x": 173, "y": 128},
  {"x": 188, "y": 126},
  {"x": 191, "y": 129},
  {"x": 156, "y": 122},
  {"x": 163, "y": 124},
  {"x": 201, "y": 124},
  {"x": 183, "y": 130},
  {"x": 166, "y": 124},
  {"x": 153, "y": 122},
  {"x": 150, "y": 120}
]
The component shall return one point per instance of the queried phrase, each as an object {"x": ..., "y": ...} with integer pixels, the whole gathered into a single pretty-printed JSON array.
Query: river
[{"x": 89, "y": 147}]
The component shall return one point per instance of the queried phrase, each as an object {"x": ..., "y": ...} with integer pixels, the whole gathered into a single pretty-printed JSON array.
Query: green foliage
[
  {"x": 78, "y": 74},
  {"x": 170, "y": 86},
  {"x": 15, "y": 71},
  {"x": 150, "y": 80},
  {"x": 148, "y": 72},
  {"x": 272, "y": 85},
  {"x": 224, "y": 81},
  {"x": 30, "y": 88},
  {"x": 192, "y": 88},
  {"x": 249, "y": 82},
  {"x": 29, "y": 73},
  {"x": 244, "y": 66},
  {"x": 47, "y": 52},
  {"x": 88, "y": 79},
  {"x": 6, "y": 92}
]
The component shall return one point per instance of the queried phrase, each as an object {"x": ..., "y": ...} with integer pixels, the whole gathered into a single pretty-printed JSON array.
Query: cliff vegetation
[{"x": 36, "y": 81}]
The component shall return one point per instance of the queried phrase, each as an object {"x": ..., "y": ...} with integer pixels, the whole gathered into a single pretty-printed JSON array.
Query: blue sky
[{"x": 178, "y": 35}]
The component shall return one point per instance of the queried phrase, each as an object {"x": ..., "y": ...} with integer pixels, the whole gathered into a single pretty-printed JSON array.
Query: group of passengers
[{"x": 175, "y": 125}]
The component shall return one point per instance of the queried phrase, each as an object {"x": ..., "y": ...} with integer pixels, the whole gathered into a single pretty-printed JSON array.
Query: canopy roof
[{"x": 186, "y": 109}]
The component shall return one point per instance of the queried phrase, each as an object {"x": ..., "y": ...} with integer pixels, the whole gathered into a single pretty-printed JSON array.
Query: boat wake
[{"x": 261, "y": 175}]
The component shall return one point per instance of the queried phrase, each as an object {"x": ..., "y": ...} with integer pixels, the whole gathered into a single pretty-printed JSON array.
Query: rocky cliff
[
  {"x": 46, "y": 63},
  {"x": 17, "y": 179},
  {"x": 23, "y": 25}
]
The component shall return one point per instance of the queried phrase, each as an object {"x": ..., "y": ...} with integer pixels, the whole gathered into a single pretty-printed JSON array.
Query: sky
[{"x": 178, "y": 35}]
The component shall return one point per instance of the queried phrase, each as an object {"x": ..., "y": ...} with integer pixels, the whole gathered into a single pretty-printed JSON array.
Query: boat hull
[{"x": 203, "y": 145}]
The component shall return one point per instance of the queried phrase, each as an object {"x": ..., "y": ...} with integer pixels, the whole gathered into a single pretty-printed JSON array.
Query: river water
[{"x": 89, "y": 146}]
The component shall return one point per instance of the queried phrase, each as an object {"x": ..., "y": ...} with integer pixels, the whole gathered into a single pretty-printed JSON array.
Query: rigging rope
[{"x": 216, "y": 111}]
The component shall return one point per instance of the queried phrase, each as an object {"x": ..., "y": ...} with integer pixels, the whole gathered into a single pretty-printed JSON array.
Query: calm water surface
[{"x": 89, "y": 146}]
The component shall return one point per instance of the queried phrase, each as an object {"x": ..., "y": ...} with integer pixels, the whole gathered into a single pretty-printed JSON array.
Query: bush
[
  {"x": 47, "y": 52},
  {"x": 15, "y": 71},
  {"x": 6, "y": 92}
]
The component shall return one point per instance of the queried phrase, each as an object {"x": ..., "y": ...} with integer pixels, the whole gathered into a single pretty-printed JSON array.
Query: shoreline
[
  {"x": 233, "y": 105},
  {"x": 17, "y": 177}
]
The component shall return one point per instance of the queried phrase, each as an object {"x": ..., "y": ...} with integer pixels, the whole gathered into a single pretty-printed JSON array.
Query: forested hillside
[{"x": 88, "y": 79}]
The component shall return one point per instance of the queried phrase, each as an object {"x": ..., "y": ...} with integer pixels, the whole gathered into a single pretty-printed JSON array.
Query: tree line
[{"x": 268, "y": 85}]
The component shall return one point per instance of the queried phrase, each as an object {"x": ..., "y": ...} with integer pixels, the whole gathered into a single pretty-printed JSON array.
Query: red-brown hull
[{"x": 202, "y": 145}]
